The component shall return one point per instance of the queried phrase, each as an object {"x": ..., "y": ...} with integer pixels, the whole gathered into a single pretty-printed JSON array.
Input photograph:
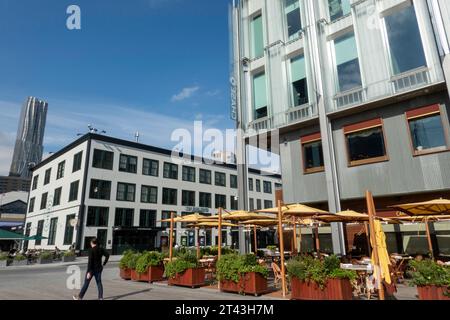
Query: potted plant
[
  {"x": 149, "y": 267},
  {"x": 3, "y": 260},
  {"x": 242, "y": 274},
  {"x": 184, "y": 271},
  {"x": 124, "y": 264},
  {"x": 19, "y": 260},
  {"x": 272, "y": 250},
  {"x": 132, "y": 265},
  {"x": 45, "y": 257},
  {"x": 432, "y": 280},
  {"x": 314, "y": 279},
  {"x": 68, "y": 256}
]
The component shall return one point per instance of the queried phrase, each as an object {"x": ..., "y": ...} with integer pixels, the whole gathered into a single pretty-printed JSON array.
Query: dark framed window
[
  {"x": 149, "y": 194},
  {"x": 188, "y": 174},
  {"x": 77, "y": 159},
  {"x": 48, "y": 173},
  {"x": 61, "y": 168},
  {"x": 100, "y": 189},
  {"x": 221, "y": 201},
  {"x": 188, "y": 198},
  {"x": 68, "y": 231},
  {"x": 97, "y": 217},
  {"x": 124, "y": 217},
  {"x": 73, "y": 192},
  {"x": 52, "y": 231},
  {"x": 233, "y": 203},
  {"x": 250, "y": 184},
  {"x": 312, "y": 153},
  {"x": 103, "y": 159},
  {"x": 267, "y": 187},
  {"x": 150, "y": 167},
  {"x": 40, "y": 229},
  {"x": 57, "y": 196},
  {"x": 31, "y": 206},
  {"x": 258, "y": 204},
  {"x": 205, "y": 176},
  {"x": 128, "y": 163},
  {"x": 166, "y": 215},
  {"x": 258, "y": 185},
  {"x": 147, "y": 219},
  {"x": 365, "y": 143},
  {"x": 170, "y": 171},
  {"x": 220, "y": 179},
  {"x": 205, "y": 200},
  {"x": 338, "y": 9},
  {"x": 426, "y": 130},
  {"x": 233, "y": 181},
  {"x": 299, "y": 81},
  {"x": 35, "y": 182},
  {"x": 347, "y": 62},
  {"x": 268, "y": 204},
  {"x": 251, "y": 203},
  {"x": 44, "y": 201},
  {"x": 293, "y": 18},
  {"x": 126, "y": 192},
  {"x": 170, "y": 196}
]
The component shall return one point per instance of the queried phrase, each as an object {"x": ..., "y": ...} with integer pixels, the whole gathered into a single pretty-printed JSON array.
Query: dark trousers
[{"x": 98, "y": 278}]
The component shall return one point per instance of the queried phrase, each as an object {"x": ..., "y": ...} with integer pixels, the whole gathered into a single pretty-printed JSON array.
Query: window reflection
[
  {"x": 427, "y": 133},
  {"x": 313, "y": 155},
  {"x": 338, "y": 8},
  {"x": 366, "y": 144},
  {"x": 347, "y": 62}
]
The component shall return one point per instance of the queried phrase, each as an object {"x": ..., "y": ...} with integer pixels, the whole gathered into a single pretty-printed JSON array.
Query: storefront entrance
[{"x": 139, "y": 239}]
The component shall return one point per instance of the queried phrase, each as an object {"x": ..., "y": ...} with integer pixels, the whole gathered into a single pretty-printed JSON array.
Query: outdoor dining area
[{"x": 294, "y": 274}]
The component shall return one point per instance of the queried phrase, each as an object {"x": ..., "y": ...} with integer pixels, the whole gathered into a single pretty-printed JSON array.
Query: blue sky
[{"x": 143, "y": 65}]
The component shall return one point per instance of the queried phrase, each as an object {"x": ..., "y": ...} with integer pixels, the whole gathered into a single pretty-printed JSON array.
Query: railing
[
  {"x": 410, "y": 80},
  {"x": 299, "y": 113},
  {"x": 260, "y": 124},
  {"x": 349, "y": 98}
]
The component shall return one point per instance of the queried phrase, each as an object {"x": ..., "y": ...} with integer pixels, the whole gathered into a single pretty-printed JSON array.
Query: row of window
[
  {"x": 68, "y": 231},
  {"x": 366, "y": 141},
  {"x": 76, "y": 166},
  {"x": 404, "y": 42},
  {"x": 50, "y": 202}
]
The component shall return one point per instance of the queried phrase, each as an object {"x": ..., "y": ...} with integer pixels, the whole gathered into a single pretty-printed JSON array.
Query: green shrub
[
  {"x": 233, "y": 266},
  {"x": 46, "y": 255},
  {"x": 272, "y": 248},
  {"x": 3, "y": 257},
  {"x": 428, "y": 273},
  {"x": 20, "y": 257},
  {"x": 125, "y": 260},
  {"x": 69, "y": 253},
  {"x": 148, "y": 259},
  {"x": 179, "y": 265}
]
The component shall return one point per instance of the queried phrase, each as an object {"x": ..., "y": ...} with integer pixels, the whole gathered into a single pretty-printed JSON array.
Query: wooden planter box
[
  {"x": 17, "y": 263},
  {"x": 251, "y": 283},
  {"x": 45, "y": 261},
  {"x": 153, "y": 274},
  {"x": 433, "y": 293},
  {"x": 68, "y": 259},
  {"x": 339, "y": 289},
  {"x": 192, "y": 278},
  {"x": 125, "y": 274},
  {"x": 335, "y": 289}
]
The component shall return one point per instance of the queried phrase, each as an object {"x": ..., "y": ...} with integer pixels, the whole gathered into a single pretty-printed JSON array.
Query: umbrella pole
[
  {"x": 300, "y": 238},
  {"x": 171, "y": 236},
  {"x": 430, "y": 243},
  {"x": 219, "y": 250},
  {"x": 316, "y": 230},
  {"x": 198, "y": 242},
  {"x": 369, "y": 248},
  {"x": 255, "y": 238},
  {"x": 294, "y": 248},
  {"x": 377, "y": 267},
  {"x": 280, "y": 232}
]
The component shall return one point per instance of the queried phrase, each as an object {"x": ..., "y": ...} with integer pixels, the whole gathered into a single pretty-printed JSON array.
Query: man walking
[{"x": 94, "y": 269}]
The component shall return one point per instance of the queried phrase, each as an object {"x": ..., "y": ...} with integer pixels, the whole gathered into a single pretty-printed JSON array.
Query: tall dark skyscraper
[{"x": 30, "y": 136}]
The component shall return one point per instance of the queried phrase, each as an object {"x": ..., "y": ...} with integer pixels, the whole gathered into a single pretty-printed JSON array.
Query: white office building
[{"x": 118, "y": 191}]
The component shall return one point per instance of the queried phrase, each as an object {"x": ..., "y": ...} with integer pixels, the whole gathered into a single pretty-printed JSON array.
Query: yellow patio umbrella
[
  {"x": 242, "y": 216},
  {"x": 433, "y": 207},
  {"x": 213, "y": 224},
  {"x": 259, "y": 223},
  {"x": 296, "y": 210}
]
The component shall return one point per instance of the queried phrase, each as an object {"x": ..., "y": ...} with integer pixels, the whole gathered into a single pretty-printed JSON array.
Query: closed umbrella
[{"x": 383, "y": 254}]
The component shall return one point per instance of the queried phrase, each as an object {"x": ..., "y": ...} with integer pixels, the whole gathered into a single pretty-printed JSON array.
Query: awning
[{"x": 7, "y": 235}]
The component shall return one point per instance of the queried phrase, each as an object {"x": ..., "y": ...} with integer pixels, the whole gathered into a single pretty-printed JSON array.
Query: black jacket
[{"x": 95, "y": 259}]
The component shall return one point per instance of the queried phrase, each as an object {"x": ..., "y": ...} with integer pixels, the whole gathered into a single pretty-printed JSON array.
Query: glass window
[
  {"x": 258, "y": 204},
  {"x": 257, "y": 46},
  {"x": 97, "y": 217},
  {"x": 299, "y": 81},
  {"x": 68, "y": 231},
  {"x": 128, "y": 163},
  {"x": 338, "y": 8},
  {"x": 427, "y": 133},
  {"x": 347, "y": 62},
  {"x": 205, "y": 176},
  {"x": 220, "y": 179},
  {"x": 48, "y": 173},
  {"x": 147, "y": 219},
  {"x": 126, "y": 192},
  {"x": 44, "y": 201},
  {"x": 166, "y": 215},
  {"x": 250, "y": 184},
  {"x": 293, "y": 18},
  {"x": 77, "y": 161},
  {"x": 60, "y": 172},
  {"x": 405, "y": 43},
  {"x": 221, "y": 201},
  {"x": 188, "y": 174},
  {"x": 170, "y": 171},
  {"x": 150, "y": 167},
  {"x": 267, "y": 185},
  {"x": 35, "y": 182},
  {"x": 169, "y": 196},
  {"x": 188, "y": 198},
  {"x": 260, "y": 95},
  {"x": 149, "y": 194},
  {"x": 365, "y": 145},
  {"x": 57, "y": 197},
  {"x": 100, "y": 189},
  {"x": 258, "y": 185},
  {"x": 40, "y": 229},
  {"x": 103, "y": 159},
  {"x": 205, "y": 200},
  {"x": 268, "y": 204},
  {"x": 124, "y": 217},
  {"x": 73, "y": 192},
  {"x": 252, "y": 204},
  {"x": 233, "y": 181},
  {"x": 31, "y": 206},
  {"x": 233, "y": 203},
  {"x": 313, "y": 156}
]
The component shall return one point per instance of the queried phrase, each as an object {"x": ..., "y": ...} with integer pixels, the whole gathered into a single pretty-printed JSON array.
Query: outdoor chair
[{"x": 277, "y": 274}]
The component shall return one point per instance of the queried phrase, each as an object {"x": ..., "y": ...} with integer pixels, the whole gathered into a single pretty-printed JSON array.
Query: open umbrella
[
  {"x": 36, "y": 237},
  {"x": 7, "y": 235},
  {"x": 296, "y": 210}
]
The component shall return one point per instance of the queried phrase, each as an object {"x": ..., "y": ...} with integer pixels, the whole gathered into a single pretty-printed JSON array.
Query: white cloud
[
  {"x": 213, "y": 93},
  {"x": 184, "y": 94}
]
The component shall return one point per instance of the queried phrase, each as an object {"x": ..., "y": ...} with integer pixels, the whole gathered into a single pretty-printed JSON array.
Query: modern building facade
[
  {"x": 358, "y": 93},
  {"x": 30, "y": 137},
  {"x": 9, "y": 184},
  {"x": 119, "y": 191}
]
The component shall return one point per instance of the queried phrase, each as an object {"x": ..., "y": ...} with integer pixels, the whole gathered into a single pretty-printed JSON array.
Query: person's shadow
[{"x": 127, "y": 294}]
